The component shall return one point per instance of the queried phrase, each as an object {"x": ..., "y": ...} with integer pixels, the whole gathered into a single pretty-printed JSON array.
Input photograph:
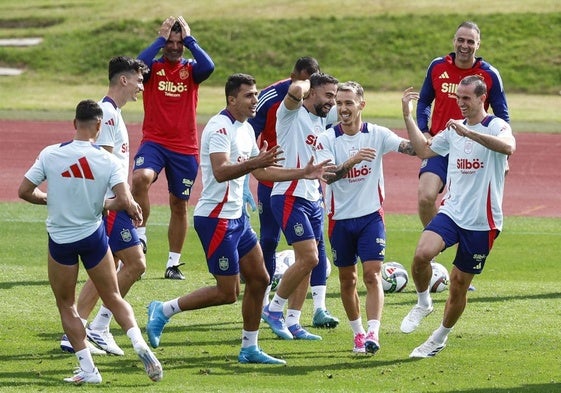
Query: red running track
[{"x": 533, "y": 186}]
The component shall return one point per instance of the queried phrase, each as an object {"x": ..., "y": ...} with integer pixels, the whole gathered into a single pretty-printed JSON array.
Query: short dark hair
[
  {"x": 477, "y": 80},
  {"x": 320, "y": 79},
  {"x": 88, "y": 110},
  {"x": 308, "y": 64},
  {"x": 123, "y": 64},
  {"x": 234, "y": 83},
  {"x": 176, "y": 28}
]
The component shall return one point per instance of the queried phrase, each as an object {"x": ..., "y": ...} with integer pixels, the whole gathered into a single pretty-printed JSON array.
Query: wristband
[{"x": 293, "y": 97}]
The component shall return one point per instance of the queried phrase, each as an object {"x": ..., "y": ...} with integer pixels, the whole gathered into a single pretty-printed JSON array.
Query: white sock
[
  {"x": 318, "y": 296},
  {"x": 356, "y": 325},
  {"x": 292, "y": 317},
  {"x": 249, "y": 339},
  {"x": 374, "y": 327},
  {"x": 440, "y": 334},
  {"x": 86, "y": 361},
  {"x": 135, "y": 335},
  {"x": 171, "y": 307},
  {"x": 277, "y": 304},
  {"x": 173, "y": 259},
  {"x": 423, "y": 299},
  {"x": 102, "y": 319}
]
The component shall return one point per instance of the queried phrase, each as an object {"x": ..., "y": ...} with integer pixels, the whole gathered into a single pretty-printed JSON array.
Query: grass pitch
[{"x": 507, "y": 340}]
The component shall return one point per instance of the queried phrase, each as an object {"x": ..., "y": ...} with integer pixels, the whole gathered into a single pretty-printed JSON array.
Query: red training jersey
[{"x": 170, "y": 104}]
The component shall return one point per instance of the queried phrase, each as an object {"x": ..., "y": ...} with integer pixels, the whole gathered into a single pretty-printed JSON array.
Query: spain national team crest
[
  {"x": 298, "y": 229},
  {"x": 223, "y": 264},
  {"x": 139, "y": 161},
  {"x": 126, "y": 235},
  {"x": 184, "y": 73}
]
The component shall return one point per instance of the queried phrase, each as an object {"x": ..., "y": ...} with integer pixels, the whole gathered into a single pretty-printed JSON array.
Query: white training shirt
[
  {"x": 224, "y": 134},
  {"x": 78, "y": 174},
  {"x": 361, "y": 191},
  {"x": 476, "y": 176},
  {"x": 297, "y": 133},
  {"x": 113, "y": 133}
]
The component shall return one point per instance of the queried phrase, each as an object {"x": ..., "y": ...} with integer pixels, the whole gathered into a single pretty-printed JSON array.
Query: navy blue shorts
[
  {"x": 361, "y": 237},
  {"x": 181, "y": 169},
  {"x": 473, "y": 246},
  {"x": 91, "y": 249},
  {"x": 121, "y": 230},
  {"x": 269, "y": 228},
  {"x": 437, "y": 165},
  {"x": 225, "y": 241},
  {"x": 299, "y": 218}
]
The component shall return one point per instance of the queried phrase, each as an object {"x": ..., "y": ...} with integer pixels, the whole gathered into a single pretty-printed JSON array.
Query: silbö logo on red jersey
[
  {"x": 469, "y": 166},
  {"x": 172, "y": 89}
]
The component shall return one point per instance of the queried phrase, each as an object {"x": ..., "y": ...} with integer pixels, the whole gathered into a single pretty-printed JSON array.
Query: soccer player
[
  {"x": 470, "y": 215},
  {"x": 440, "y": 84},
  {"x": 125, "y": 82},
  {"x": 228, "y": 153},
  {"x": 354, "y": 200},
  {"x": 264, "y": 124},
  {"x": 79, "y": 174},
  {"x": 297, "y": 205},
  {"x": 169, "y": 129}
]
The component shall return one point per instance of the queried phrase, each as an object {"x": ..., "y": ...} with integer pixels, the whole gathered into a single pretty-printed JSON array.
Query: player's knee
[
  {"x": 141, "y": 180},
  {"x": 138, "y": 269},
  {"x": 372, "y": 278},
  {"x": 228, "y": 297},
  {"x": 134, "y": 262},
  {"x": 423, "y": 257},
  {"x": 348, "y": 282},
  {"x": 426, "y": 198},
  {"x": 309, "y": 262},
  {"x": 178, "y": 206}
]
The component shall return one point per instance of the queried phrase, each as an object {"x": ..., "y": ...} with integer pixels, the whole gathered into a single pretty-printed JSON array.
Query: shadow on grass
[
  {"x": 196, "y": 360},
  {"x": 12, "y": 284},
  {"x": 537, "y": 388},
  {"x": 391, "y": 298}
]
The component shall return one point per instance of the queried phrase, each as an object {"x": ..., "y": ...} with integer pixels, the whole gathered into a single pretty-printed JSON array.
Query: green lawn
[
  {"x": 386, "y": 46},
  {"x": 507, "y": 341}
]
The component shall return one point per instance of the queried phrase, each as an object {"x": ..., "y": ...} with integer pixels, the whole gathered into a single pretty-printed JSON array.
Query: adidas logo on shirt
[
  {"x": 444, "y": 75},
  {"x": 161, "y": 73},
  {"x": 80, "y": 170}
]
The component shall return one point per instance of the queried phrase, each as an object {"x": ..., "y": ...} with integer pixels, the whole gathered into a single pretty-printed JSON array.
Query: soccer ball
[
  {"x": 394, "y": 277},
  {"x": 284, "y": 259},
  {"x": 440, "y": 278}
]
